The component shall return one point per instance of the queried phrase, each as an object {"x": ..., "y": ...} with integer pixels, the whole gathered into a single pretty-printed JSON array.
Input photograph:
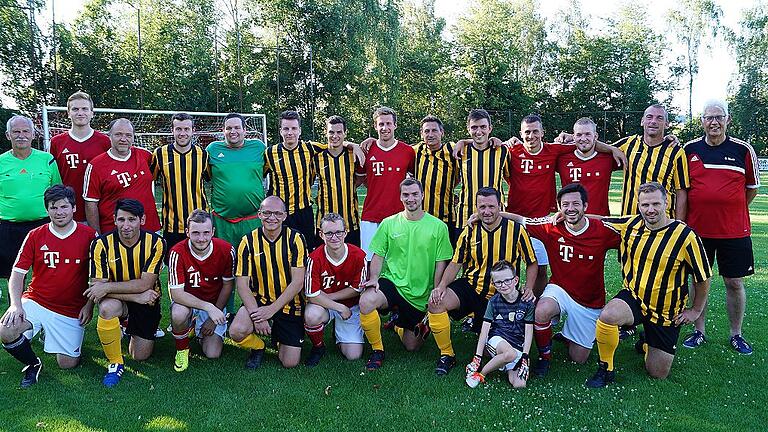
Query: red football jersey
[
  {"x": 594, "y": 173},
  {"x": 577, "y": 259},
  {"x": 203, "y": 277},
  {"x": 60, "y": 267},
  {"x": 384, "y": 170},
  {"x": 72, "y": 157},
  {"x": 720, "y": 175},
  {"x": 325, "y": 274},
  {"x": 109, "y": 178},
  {"x": 532, "y": 182}
]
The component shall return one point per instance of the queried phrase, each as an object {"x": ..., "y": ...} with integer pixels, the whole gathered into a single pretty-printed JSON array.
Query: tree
[
  {"x": 691, "y": 21},
  {"x": 21, "y": 52}
]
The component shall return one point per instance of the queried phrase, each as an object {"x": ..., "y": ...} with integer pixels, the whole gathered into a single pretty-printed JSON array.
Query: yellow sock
[
  {"x": 371, "y": 324},
  {"x": 441, "y": 330},
  {"x": 251, "y": 342},
  {"x": 110, "y": 335},
  {"x": 607, "y": 340},
  {"x": 645, "y": 351},
  {"x": 400, "y": 331}
]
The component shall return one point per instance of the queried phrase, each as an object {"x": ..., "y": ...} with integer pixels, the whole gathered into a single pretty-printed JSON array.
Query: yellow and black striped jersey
[
  {"x": 655, "y": 264},
  {"x": 478, "y": 249},
  {"x": 480, "y": 168},
  {"x": 268, "y": 264},
  {"x": 438, "y": 171},
  {"x": 664, "y": 163},
  {"x": 181, "y": 176},
  {"x": 336, "y": 190},
  {"x": 291, "y": 173},
  {"x": 115, "y": 262}
]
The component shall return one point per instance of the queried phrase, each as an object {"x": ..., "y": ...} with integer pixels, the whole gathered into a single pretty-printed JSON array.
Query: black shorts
[
  {"x": 353, "y": 237},
  {"x": 171, "y": 239},
  {"x": 12, "y": 235},
  {"x": 407, "y": 315},
  {"x": 303, "y": 221},
  {"x": 470, "y": 302},
  {"x": 143, "y": 320},
  {"x": 656, "y": 335},
  {"x": 288, "y": 329},
  {"x": 735, "y": 258}
]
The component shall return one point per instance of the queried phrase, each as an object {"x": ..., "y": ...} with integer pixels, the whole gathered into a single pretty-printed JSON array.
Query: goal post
[{"x": 152, "y": 128}]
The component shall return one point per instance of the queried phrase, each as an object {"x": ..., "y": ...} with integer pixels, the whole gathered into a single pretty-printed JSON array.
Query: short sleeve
[
  {"x": 54, "y": 171},
  {"x": 529, "y": 313},
  {"x": 444, "y": 248},
  {"x": 525, "y": 248},
  {"x": 229, "y": 265},
  {"x": 681, "y": 179},
  {"x": 243, "y": 258},
  {"x": 26, "y": 255},
  {"x": 91, "y": 182},
  {"x": 460, "y": 255},
  {"x": 312, "y": 282},
  {"x": 488, "y": 316},
  {"x": 154, "y": 164},
  {"x": 154, "y": 262},
  {"x": 380, "y": 242},
  {"x": 618, "y": 224},
  {"x": 176, "y": 273},
  {"x": 298, "y": 248},
  {"x": 99, "y": 268},
  {"x": 696, "y": 258}
]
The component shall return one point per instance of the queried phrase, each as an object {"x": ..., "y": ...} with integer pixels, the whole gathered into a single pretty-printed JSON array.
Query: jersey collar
[
  {"x": 341, "y": 260},
  {"x": 80, "y": 140},
  {"x": 65, "y": 235},
  {"x": 578, "y": 155},
  {"x": 579, "y": 232},
  {"x": 118, "y": 158},
  {"x": 200, "y": 258}
]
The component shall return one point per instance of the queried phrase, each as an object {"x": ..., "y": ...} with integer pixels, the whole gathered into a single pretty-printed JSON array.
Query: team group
[{"x": 83, "y": 217}]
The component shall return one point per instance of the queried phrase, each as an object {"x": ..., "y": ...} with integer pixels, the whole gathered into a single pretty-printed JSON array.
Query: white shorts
[
  {"x": 580, "y": 321},
  {"x": 491, "y": 345},
  {"x": 540, "y": 251},
  {"x": 63, "y": 334},
  {"x": 367, "y": 230},
  {"x": 347, "y": 331},
  {"x": 200, "y": 316}
]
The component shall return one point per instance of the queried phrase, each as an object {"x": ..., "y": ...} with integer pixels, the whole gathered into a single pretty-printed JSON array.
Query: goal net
[{"x": 152, "y": 128}]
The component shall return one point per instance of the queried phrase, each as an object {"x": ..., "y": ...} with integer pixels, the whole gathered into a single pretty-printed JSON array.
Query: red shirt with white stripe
[
  {"x": 201, "y": 276},
  {"x": 577, "y": 259},
  {"x": 720, "y": 176},
  {"x": 109, "y": 178},
  {"x": 532, "y": 182},
  {"x": 72, "y": 156},
  {"x": 329, "y": 276},
  {"x": 594, "y": 173},
  {"x": 384, "y": 170},
  {"x": 60, "y": 267}
]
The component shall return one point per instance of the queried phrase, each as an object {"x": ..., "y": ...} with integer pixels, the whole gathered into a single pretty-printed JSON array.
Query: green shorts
[{"x": 234, "y": 232}]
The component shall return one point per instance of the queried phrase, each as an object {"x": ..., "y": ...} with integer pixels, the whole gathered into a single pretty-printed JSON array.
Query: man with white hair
[
  {"x": 724, "y": 180},
  {"x": 25, "y": 174}
]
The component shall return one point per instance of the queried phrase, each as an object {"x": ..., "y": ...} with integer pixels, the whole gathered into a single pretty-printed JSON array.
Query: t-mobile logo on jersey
[
  {"x": 526, "y": 165},
  {"x": 328, "y": 281},
  {"x": 194, "y": 279},
  {"x": 51, "y": 259},
  {"x": 575, "y": 174},
  {"x": 378, "y": 168},
  {"x": 566, "y": 252},
  {"x": 124, "y": 179},
  {"x": 73, "y": 159}
]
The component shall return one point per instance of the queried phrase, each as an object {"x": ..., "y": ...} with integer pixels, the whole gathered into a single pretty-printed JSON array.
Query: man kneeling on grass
[
  {"x": 335, "y": 271},
  {"x": 199, "y": 280},
  {"x": 507, "y": 331}
]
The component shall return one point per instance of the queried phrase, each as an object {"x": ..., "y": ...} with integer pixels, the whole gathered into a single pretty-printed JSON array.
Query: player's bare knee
[
  {"x": 368, "y": 303},
  {"x": 353, "y": 352},
  {"x": 110, "y": 308},
  {"x": 212, "y": 352},
  {"x": 238, "y": 333},
  {"x": 10, "y": 334},
  {"x": 179, "y": 314},
  {"x": 546, "y": 309},
  {"x": 657, "y": 371},
  {"x": 313, "y": 315},
  {"x": 66, "y": 362},
  {"x": 734, "y": 284},
  {"x": 518, "y": 383}
]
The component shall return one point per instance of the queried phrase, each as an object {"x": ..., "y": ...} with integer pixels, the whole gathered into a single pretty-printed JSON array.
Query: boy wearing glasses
[
  {"x": 507, "y": 331},
  {"x": 335, "y": 271}
]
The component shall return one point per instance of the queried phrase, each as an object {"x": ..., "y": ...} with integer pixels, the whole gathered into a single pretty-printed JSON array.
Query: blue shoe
[
  {"x": 740, "y": 345},
  {"x": 694, "y": 340},
  {"x": 114, "y": 373}
]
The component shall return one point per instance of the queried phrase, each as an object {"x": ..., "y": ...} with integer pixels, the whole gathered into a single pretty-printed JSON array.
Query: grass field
[{"x": 711, "y": 388}]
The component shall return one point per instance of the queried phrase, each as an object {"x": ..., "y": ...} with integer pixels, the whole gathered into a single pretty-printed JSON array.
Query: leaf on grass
[{"x": 327, "y": 391}]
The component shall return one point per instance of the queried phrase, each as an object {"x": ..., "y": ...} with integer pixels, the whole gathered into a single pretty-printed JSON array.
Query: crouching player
[
  {"x": 507, "y": 331},
  {"x": 54, "y": 301},
  {"x": 335, "y": 271},
  {"x": 200, "y": 278}
]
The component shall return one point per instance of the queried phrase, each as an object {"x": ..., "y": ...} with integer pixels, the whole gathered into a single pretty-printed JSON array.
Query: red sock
[
  {"x": 315, "y": 334},
  {"x": 182, "y": 339},
  {"x": 542, "y": 332}
]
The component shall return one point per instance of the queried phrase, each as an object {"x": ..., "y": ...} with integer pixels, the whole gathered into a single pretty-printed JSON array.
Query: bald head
[{"x": 273, "y": 202}]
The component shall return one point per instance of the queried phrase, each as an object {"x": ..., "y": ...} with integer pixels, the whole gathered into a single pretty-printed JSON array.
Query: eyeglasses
[
  {"x": 337, "y": 234},
  {"x": 709, "y": 119},
  {"x": 268, "y": 214},
  {"x": 504, "y": 282}
]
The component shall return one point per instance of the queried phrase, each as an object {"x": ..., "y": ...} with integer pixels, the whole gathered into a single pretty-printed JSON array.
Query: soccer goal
[{"x": 152, "y": 128}]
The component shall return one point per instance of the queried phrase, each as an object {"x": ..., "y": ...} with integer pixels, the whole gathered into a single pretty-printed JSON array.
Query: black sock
[{"x": 21, "y": 350}]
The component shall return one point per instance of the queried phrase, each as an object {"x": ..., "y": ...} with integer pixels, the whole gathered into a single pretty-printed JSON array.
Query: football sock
[
  {"x": 441, "y": 330},
  {"x": 607, "y": 340},
  {"x": 21, "y": 350},
  {"x": 371, "y": 324},
  {"x": 315, "y": 334},
  {"x": 110, "y": 335},
  {"x": 542, "y": 332},
  {"x": 251, "y": 342},
  {"x": 182, "y": 339}
]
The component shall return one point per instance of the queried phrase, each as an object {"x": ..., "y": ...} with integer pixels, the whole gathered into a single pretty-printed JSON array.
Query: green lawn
[{"x": 711, "y": 388}]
